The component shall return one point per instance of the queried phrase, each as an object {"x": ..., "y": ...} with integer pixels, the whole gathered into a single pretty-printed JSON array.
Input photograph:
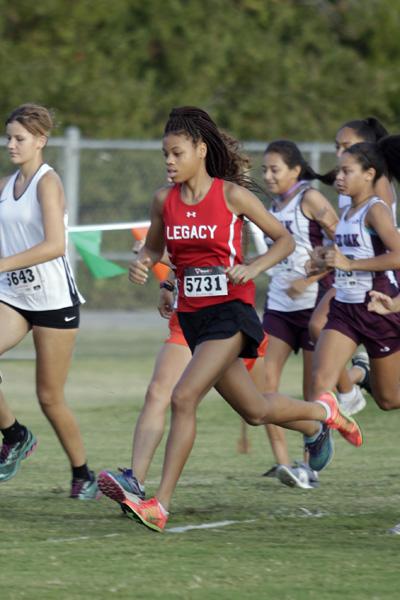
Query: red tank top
[{"x": 202, "y": 240}]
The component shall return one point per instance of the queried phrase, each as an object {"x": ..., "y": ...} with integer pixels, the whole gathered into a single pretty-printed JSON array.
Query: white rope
[{"x": 108, "y": 226}]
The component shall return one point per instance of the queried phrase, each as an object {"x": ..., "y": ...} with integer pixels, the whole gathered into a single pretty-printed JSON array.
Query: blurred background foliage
[{"x": 263, "y": 68}]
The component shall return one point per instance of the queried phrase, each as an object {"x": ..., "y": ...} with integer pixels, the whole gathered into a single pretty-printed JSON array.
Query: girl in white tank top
[
  {"x": 38, "y": 293},
  {"x": 291, "y": 294},
  {"x": 353, "y": 132},
  {"x": 367, "y": 248},
  {"x": 49, "y": 285}
]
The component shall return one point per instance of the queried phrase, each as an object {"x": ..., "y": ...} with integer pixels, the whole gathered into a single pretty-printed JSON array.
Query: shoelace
[{"x": 4, "y": 452}]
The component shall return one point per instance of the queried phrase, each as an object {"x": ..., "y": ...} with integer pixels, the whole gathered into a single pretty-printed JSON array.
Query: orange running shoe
[
  {"x": 346, "y": 426},
  {"x": 149, "y": 512}
]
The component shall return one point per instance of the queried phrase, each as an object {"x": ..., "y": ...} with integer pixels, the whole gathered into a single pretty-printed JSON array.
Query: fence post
[
  {"x": 71, "y": 181},
  {"x": 315, "y": 161}
]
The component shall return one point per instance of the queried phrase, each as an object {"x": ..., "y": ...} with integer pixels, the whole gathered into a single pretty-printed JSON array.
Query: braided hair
[{"x": 224, "y": 158}]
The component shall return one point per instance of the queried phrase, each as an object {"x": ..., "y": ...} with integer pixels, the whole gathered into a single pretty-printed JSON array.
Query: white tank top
[
  {"x": 345, "y": 201},
  {"x": 357, "y": 241},
  {"x": 307, "y": 234},
  {"x": 46, "y": 286}
]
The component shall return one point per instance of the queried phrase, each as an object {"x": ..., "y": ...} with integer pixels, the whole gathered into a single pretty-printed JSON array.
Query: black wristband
[{"x": 168, "y": 285}]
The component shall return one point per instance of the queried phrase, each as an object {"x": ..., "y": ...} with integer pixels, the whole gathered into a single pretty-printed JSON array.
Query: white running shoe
[
  {"x": 294, "y": 477},
  {"x": 355, "y": 405},
  {"x": 395, "y": 530}
]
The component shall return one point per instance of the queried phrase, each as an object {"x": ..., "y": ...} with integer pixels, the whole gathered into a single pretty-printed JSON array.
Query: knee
[
  {"x": 47, "y": 397},
  {"x": 157, "y": 396},
  {"x": 271, "y": 381},
  {"x": 254, "y": 418},
  {"x": 321, "y": 381},
  {"x": 386, "y": 402},
  {"x": 314, "y": 329},
  {"x": 182, "y": 401}
]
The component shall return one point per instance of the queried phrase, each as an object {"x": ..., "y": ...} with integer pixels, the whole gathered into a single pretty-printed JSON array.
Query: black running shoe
[{"x": 271, "y": 472}]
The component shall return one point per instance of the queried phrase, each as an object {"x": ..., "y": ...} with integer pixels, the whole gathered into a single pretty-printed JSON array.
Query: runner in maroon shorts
[
  {"x": 367, "y": 249},
  {"x": 350, "y": 380},
  {"x": 292, "y": 294}
]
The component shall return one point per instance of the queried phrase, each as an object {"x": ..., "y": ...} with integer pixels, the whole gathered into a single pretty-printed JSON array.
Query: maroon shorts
[
  {"x": 380, "y": 334},
  {"x": 290, "y": 327}
]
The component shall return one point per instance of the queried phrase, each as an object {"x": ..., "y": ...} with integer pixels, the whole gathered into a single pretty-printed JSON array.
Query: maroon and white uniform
[
  {"x": 356, "y": 241},
  {"x": 348, "y": 312}
]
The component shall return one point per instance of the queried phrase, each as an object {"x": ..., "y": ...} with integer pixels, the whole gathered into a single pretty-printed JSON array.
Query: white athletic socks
[{"x": 348, "y": 396}]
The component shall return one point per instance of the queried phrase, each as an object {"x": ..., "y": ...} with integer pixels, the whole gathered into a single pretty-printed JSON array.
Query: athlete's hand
[
  {"x": 336, "y": 260},
  {"x": 166, "y": 303},
  {"x": 316, "y": 263},
  {"x": 139, "y": 270},
  {"x": 240, "y": 274},
  {"x": 138, "y": 245},
  {"x": 381, "y": 303},
  {"x": 297, "y": 287}
]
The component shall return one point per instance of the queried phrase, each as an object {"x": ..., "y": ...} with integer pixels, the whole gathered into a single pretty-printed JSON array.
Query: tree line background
[{"x": 262, "y": 68}]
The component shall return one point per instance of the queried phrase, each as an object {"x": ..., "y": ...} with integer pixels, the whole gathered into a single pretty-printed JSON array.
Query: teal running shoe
[
  {"x": 320, "y": 450},
  {"x": 120, "y": 486},
  {"x": 85, "y": 489},
  {"x": 12, "y": 454}
]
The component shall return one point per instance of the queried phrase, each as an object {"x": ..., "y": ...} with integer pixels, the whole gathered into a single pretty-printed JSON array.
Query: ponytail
[
  {"x": 292, "y": 157},
  {"x": 369, "y": 129},
  {"x": 389, "y": 146},
  {"x": 383, "y": 156}
]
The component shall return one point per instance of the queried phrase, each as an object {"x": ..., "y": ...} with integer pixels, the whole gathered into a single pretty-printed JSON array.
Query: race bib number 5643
[
  {"x": 205, "y": 281},
  {"x": 24, "y": 281}
]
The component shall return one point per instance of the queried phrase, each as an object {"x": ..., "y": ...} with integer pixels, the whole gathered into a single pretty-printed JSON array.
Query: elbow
[
  {"x": 397, "y": 261},
  {"x": 56, "y": 251},
  {"x": 290, "y": 243}
]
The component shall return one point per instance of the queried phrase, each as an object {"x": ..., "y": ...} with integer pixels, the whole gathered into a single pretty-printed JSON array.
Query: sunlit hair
[
  {"x": 383, "y": 156},
  {"x": 369, "y": 129},
  {"x": 35, "y": 118},
  {"x": 224, "y": 158},
  {"x": 292, "y": 157}
]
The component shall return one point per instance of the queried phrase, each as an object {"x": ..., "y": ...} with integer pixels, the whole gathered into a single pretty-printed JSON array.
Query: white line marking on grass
[
  {"x": 206, "y": 526},
  {"x": 80, "y": 538}
]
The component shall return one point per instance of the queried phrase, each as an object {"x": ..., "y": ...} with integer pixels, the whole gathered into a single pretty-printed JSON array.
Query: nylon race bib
[{"x": 345, "y": 279}]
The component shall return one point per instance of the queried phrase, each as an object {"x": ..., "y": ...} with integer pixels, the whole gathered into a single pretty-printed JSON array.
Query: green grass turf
[{"x": 328, "y": 543}]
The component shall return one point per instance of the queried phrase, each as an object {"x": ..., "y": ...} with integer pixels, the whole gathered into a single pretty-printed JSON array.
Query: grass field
[{"x": 283, "y": 544}]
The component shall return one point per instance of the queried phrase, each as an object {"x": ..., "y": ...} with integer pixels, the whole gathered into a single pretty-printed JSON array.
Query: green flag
[{"x": 88, "y": 244}]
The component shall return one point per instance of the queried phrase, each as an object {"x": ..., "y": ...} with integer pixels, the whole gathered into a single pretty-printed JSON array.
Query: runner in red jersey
[
  {"x": 215, "y": 307},
  {"x": 198, "y": 239}
]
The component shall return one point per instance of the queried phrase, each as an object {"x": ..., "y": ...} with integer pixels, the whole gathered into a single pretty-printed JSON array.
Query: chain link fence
[{"x": 113, "y": 181}]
